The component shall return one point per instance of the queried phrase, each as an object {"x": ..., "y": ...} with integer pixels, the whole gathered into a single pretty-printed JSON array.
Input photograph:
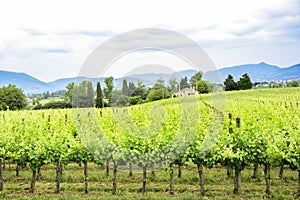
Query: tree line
[
  {"x": 243, "y": 84},
  {"x": 83, "y": 94}
]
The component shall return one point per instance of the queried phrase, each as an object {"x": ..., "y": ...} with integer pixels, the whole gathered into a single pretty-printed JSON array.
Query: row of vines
[{"x": 251, "y": 128}]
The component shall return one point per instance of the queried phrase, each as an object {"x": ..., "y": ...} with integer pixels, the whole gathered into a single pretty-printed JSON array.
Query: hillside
[
  {"x": 28, "y": 83},
  {"x": 258, "y": 73},
  {"x": 31, "y": 85}
]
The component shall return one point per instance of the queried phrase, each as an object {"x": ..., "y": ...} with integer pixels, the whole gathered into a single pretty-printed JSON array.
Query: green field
[{"x": 249, "y": 128}]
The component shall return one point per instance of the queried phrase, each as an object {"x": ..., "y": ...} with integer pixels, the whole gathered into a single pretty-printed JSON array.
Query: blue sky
[{"x": 52, "y": 39}]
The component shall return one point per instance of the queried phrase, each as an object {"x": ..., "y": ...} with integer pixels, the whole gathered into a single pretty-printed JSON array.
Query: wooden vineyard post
[
  {"x": 144, "y": 179},
  {"x": 130, "y": 169},
  {"x": 281, "y": 169},
  {"x": 58, "y": 177},
  {"x": 237, "y": 172},
  {"x": 255, "y": 168},
  {"x": 238, "y": 122},
  {"x": 86, "y": 183},
  {"x": 179, "y": 170},
  {"x": 171, "y": 180},
  {"x": 201, "y": 178},
  {"x": 267, "y": 179},
  {"x": 107, "y": 167},
  {"x": 17, "y": 170},
  {"x": 237, "y": 182},
  {"x": 114, "y": 189},
  {"x": 48, "y": 122},
  {"x": 33, "y": 181}
]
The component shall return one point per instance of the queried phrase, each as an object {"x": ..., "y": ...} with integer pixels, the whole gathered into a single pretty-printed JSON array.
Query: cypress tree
[{"x": 99, "y": 97}]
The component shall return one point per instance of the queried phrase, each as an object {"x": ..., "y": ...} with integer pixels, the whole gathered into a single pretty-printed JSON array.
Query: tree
[
  {"x": 125, "y": 89},
  {"x": 118, "y": 98},
  {"x": 195, "y": 78},
  {"x": 140, "y": 91},
  {"x": 135, "y": 100},
  {"x": 293, "y": 83},
  {"x": 173, "y": 84},
  {"x": 69, "y": 94},
  {"x": 158, "y": 91},
  {"x": 109, "y": 87},
  {"x": 99, "y": 97},
  {"x": 184, "y": 83},
  {"x": 12, "y": 98},
  {"x": 202, "y": 86},
  {"x": 46, "y": 95},
  {"x": 83, "y": 95},
  {"x": 244, "y": 83},
  {"x": 131, "y": 88},
  {"x": 230, "y": 84},
  {"x": 90, "y": 93}
]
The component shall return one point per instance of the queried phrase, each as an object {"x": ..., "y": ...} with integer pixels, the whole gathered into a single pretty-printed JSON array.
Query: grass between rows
[{"x": 217, "y": 184}]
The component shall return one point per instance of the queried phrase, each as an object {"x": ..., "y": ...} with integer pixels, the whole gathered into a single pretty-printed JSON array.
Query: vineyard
[{"x": 182, "y": 147}]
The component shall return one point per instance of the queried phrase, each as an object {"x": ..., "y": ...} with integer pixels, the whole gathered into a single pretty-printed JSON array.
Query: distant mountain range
[
  {"x": 31, "y": 85},
  {"x": 257, "y": 72}
]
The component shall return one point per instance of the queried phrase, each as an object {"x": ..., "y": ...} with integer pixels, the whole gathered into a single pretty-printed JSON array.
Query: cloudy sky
[{"x": 52, "y": 39}]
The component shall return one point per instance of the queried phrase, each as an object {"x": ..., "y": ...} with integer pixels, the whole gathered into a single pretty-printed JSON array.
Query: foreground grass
[{"x": 217, "y": 184}]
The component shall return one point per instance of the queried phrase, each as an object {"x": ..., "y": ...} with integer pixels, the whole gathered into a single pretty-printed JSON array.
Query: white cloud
[
  {"x": 60, "y": 34},
  {"x": 2, "y": 46}
]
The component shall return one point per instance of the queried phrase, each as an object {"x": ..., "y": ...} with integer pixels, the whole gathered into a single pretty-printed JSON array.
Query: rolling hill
[
  {"x": 258, "y": 73},
  {"x": 28, "y": 83},
  {"x": 31, "y": 85}
]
